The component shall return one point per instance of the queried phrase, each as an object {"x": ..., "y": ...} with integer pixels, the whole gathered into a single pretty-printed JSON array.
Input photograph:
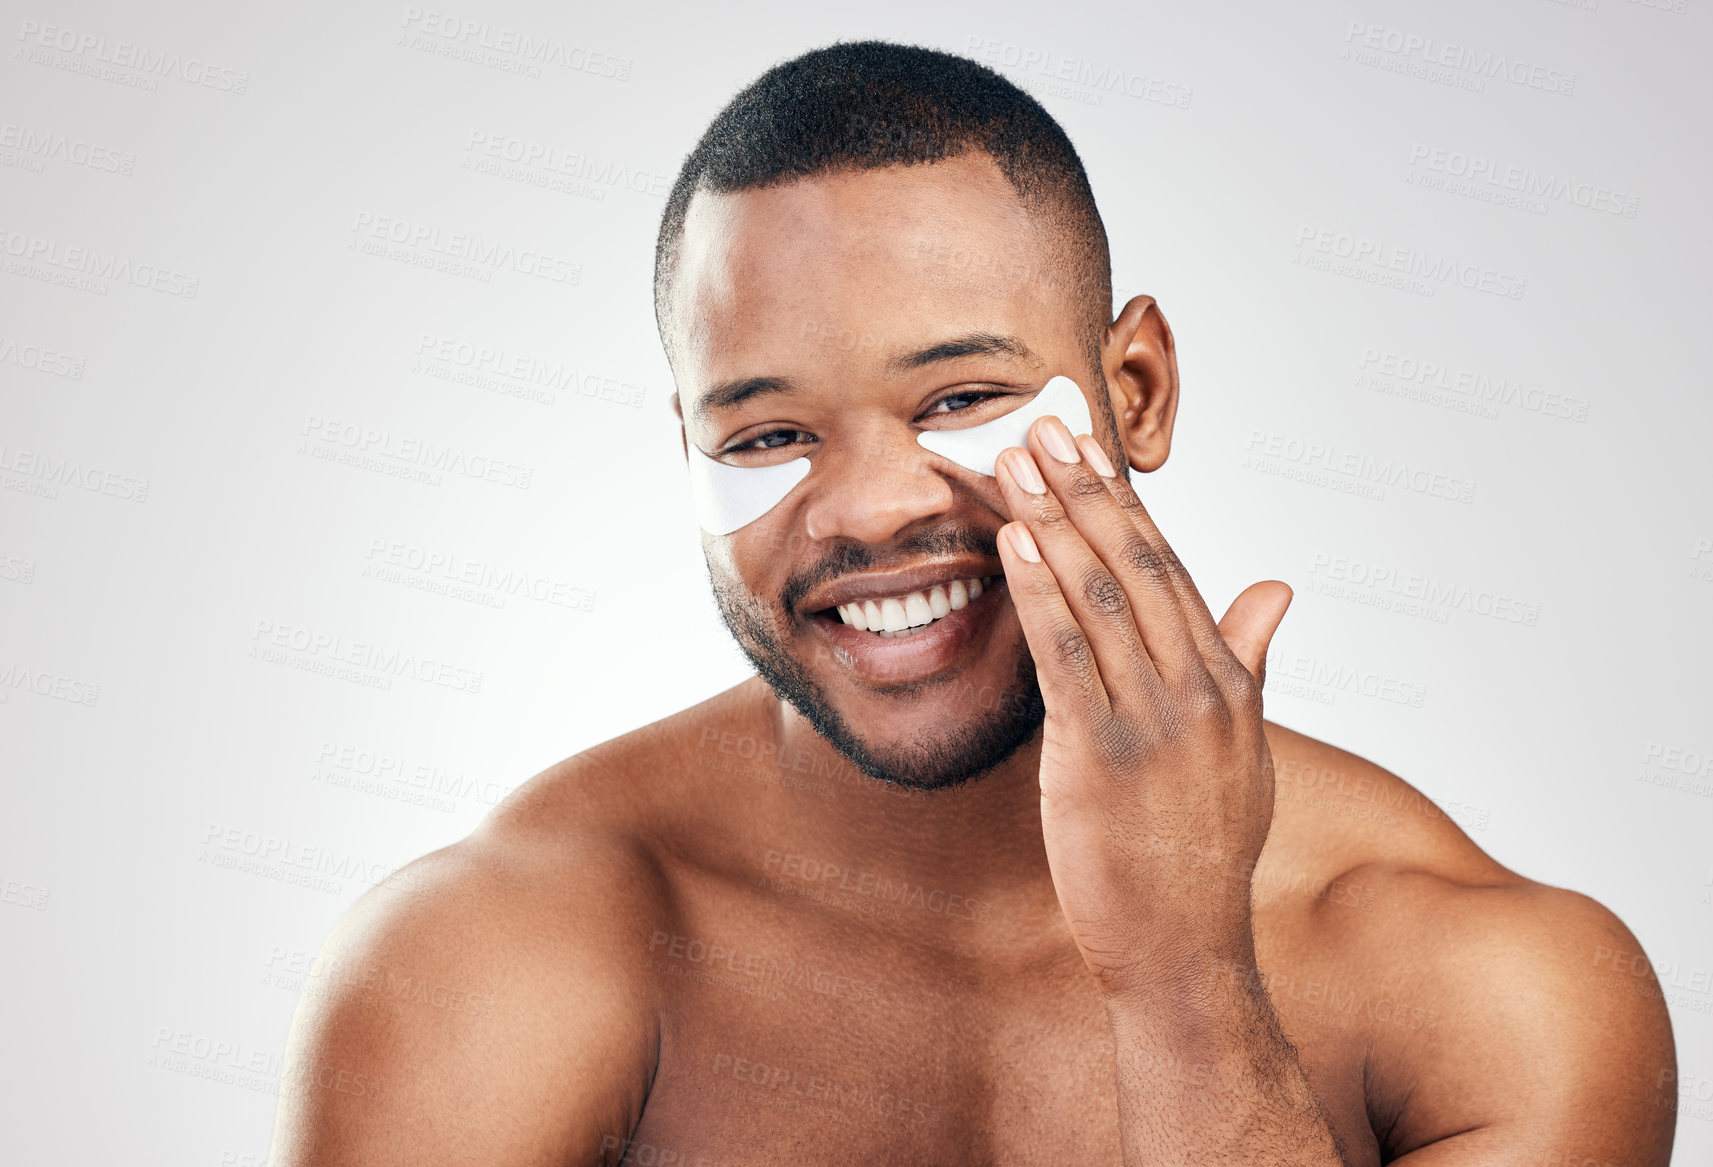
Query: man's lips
[
  {"x": 899, "y": 584},
  {"x": 917, "y": 653}
]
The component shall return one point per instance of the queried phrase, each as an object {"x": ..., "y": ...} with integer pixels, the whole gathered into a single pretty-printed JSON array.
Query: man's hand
[
  {"x": 1156, "y": 798},
  {"x": 1156, "y": 779}
]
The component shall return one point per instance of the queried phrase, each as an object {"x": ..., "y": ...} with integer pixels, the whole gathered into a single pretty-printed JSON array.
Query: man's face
[{"x": 839, "y": 316}]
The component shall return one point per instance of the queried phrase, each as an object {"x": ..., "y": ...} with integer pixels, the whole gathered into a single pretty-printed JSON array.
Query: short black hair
[{"x": 867, "y": 104}]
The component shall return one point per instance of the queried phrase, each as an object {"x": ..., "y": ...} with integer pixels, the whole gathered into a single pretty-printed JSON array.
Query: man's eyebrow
[
  {"x": 971, "y": 344},
  {"x": 729, "y": 393}
]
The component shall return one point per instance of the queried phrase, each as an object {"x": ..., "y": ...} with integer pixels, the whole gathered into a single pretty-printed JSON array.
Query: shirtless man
[{"x": 1031, "y": 883}]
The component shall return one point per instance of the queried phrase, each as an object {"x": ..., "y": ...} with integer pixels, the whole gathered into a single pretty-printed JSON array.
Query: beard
[{"x": 960, "y": 754}]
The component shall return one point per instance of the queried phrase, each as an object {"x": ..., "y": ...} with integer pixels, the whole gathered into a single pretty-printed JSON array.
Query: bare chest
[{"x": 870, "y": 1053}]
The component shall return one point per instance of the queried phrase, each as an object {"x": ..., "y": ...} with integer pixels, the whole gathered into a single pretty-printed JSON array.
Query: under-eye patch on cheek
[
  {"x": 977, "y": 447},
  {"x": 730, "y": 497}
]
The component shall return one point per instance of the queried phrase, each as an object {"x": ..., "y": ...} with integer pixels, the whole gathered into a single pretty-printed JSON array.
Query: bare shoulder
[
  {"x": 487, "y": 1003},
  {"x": 1523, "y": 1016},
  {"x": 1334, "y": 809}
]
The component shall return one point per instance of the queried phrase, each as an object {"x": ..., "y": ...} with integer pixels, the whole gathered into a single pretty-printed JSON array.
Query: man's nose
[{"x": 871, "y": 493}]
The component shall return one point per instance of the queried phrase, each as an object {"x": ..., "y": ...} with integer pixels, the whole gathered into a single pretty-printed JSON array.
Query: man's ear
[
  {"x": 1141, "y": 366},
  {"x": 683, "y": 437}
]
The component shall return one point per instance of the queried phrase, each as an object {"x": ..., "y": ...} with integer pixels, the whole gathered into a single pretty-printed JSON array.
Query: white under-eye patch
[
  {"x": 731, "y": 497},
  {"x": 977, "y": 447}
]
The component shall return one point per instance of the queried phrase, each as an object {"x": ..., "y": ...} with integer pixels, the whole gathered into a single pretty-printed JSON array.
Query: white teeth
[
  {"x": 938, "y": 604},
  {"x": 892, "y": 616},
  {"x": 898, "y": 616}
]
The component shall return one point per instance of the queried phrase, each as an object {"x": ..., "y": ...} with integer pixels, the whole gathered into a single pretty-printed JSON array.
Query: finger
[
  {"x": 1137, "y": 562},
  {"x": 1093, "y": 599},
  {"x": 1096, "y": 598},
  {"x": 1064, "y": 660},
  {"x": 1249, "y": 624},
  {"x": 1161, "y": 560}
]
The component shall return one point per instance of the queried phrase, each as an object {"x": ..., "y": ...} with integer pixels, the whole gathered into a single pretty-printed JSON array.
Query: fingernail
[
  {"x": 1024, "y": 471},
  {"x": 1096, "y": 456},
  {"x": 1056, "y": 436},
  {"x": 1023, "y": 542}
]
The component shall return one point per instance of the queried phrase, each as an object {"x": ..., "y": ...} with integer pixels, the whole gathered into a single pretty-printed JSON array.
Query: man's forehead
[
  {"x": 877, "y": 212},
  {"x": 868, "y": 265}
]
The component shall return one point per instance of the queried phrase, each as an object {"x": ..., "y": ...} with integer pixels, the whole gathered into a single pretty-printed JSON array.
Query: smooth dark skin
[{"x": 547, "y": 992}]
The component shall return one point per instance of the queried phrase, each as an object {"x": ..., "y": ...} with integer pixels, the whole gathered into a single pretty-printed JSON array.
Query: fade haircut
[{"x": 868, "y": 104}]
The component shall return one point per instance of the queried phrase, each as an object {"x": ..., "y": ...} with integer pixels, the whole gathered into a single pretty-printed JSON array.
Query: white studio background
[{"x": 228, "y": 515}]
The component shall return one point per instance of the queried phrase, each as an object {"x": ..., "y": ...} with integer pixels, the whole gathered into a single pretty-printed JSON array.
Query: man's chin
[
  {"x": 934, "y": 765},
  {"x": 989, "y": 725}
]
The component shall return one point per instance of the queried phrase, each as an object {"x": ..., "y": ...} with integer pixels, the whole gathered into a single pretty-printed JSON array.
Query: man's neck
[{"x": 976, "y": 843}]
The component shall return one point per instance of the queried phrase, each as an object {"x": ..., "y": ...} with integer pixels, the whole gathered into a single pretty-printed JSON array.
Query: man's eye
[
  {"x": 773, "y": 440},
  {"x": 958, "y": 402}
]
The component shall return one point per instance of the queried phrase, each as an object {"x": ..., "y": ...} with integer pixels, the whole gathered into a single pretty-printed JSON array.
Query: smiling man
[{"x": 995, "y": 861}]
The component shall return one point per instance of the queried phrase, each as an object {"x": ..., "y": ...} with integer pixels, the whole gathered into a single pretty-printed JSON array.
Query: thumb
[{"x": 1249, "y": 624}]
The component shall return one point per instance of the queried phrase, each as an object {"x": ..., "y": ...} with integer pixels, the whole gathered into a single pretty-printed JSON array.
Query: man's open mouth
[
  {"x": 903, "y": 626},
  {"x": 907, "y": 614}
]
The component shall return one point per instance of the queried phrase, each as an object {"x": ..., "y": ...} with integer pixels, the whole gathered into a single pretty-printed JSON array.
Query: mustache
[{"x": 851, "y": 558}]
